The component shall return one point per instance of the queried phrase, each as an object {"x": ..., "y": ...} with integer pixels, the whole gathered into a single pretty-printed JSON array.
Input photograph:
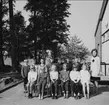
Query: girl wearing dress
[
  {"x": 85, "y": 80},
  {"x": 32, "y": 77},
  {"x": 95, "y": 68}
]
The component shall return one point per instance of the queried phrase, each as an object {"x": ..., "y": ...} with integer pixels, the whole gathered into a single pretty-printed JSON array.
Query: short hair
[
  {"x": 64, "y": 63},
  {"x": 86, "y": 64},
  {"x": 42, "y": 58},
  {"x": 32, "y": 67},
  {"x": 94, "y": 50},
  {"x": 26, "y": 61},
  {"x": 54, "y": 66}
]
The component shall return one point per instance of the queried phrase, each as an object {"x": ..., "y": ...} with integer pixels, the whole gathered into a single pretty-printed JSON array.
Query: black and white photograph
[{"x": 54, "y": 52}]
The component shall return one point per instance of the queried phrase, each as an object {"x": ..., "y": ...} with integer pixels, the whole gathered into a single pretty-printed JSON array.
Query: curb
[{"x": 10, "y": 86}]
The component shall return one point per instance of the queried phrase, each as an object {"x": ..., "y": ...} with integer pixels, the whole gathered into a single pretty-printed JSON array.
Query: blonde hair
[{"x": 53, "y": 66}]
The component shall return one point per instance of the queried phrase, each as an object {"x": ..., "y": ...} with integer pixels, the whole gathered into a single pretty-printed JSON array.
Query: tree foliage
[
  {"x": 47, "y": 29},
  {"x": 21, "y": 34},
  {"x": 48, "y": 25},
  {"x": 3, "y": 13},
  {"x": 74, "y": 49}
]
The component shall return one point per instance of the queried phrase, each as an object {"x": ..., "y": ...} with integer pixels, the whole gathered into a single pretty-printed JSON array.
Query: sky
[{"x": 82, "y": 21}]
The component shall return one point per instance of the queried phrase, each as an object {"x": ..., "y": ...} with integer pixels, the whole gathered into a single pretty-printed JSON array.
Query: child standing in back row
[{"x": 24, "y": 73}]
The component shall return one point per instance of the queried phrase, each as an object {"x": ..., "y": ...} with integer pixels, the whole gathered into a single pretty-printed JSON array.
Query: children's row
[{"x": 50, "y": 79}]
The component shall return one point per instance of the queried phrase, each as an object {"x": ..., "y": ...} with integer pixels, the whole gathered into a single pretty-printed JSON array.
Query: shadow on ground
[{"x": 101, "y": 90}]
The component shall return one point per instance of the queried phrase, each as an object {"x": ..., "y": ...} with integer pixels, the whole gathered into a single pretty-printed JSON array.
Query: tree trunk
[
  {"x": 35, "y": 41},
  {"x": 12, "y": 33},
  {"x": 17, "y": 49},
  {"x": 1, "y": 36},
  {"x": 35, "y": 54},
  {"x": 54, "y": 51}
]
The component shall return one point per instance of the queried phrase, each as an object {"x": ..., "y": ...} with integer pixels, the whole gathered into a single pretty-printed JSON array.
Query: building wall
[
  {"x": 105, "y": 39},
  {"x": 98, "y": 42},
  {"x": 98, "y": 39},
  {"x": 102, "y": 39},
  {"x": 105, "y": 56}
]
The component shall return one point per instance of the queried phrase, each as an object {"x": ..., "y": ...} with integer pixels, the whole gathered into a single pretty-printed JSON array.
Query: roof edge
[{"x": 102, "y": 11}]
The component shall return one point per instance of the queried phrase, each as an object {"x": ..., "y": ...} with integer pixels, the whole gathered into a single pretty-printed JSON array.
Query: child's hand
[
  {"x": 27, "y": 84},
  {"x": 54, "y": 80},
  {"x": 48, "y": 84},
  {"x": 63, "y": 80},
  {"x": 75, "y": 81}
]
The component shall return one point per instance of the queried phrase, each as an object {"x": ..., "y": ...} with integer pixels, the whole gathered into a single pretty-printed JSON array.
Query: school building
[{"x": 102, "y": 37}]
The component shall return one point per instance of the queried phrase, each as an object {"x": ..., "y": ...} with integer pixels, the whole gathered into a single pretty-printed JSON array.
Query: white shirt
[
  {"x": 75, "y": 75},
  {"x": 85, "y": 76},
  {"x": 53, "y": 75},
  {"x": 95, "y": 66},
  {"x": 32, "y": 76}
]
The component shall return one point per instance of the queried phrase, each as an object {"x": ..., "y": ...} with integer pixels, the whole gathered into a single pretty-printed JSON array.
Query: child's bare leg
[
  {"x": 28, "y": 90},
  {"x": 88, "y": 91},
  {"x": 83, "y": 84},
  {"x": 31, "y": 88},
  {"x": 96, "y": 86},
  {"x": 28, "y": 87}
]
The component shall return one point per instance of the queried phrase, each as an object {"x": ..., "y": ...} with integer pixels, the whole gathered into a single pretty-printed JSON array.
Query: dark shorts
[
  {"x": 25, "y": 80},
  {"x": 95, "y": 78}
]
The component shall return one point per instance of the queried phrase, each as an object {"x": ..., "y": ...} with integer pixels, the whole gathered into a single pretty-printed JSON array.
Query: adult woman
[
  {"x": 95, "y": 68},
  {"x": 95, "y": 63}
]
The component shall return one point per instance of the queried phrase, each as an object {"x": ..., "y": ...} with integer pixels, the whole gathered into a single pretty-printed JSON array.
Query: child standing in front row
[{"x": 85, "y": 80}]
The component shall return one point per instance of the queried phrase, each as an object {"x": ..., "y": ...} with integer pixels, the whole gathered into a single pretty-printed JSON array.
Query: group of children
[{"x": 56, "y": 75}]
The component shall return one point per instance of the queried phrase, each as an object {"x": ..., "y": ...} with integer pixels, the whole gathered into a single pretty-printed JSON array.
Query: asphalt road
[{"x": 15, "y": 96}]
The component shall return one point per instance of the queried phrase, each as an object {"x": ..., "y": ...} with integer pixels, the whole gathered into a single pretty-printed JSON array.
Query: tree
[
  {"x": 74, "y": 49},
  {"x": 1, "y": 56},
  {"x": 48, "y": 22},
  {"x": 12, "y": 33},
  {"x": 20, "y": 33},
  {"x": 3, "y": 12}
]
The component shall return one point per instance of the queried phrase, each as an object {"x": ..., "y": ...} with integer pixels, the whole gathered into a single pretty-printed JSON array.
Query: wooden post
[
  {"x": 35, "y": 40},
  {"x": 105, "y": 69}
]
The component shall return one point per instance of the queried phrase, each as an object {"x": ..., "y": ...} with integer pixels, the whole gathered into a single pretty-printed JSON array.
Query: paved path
[{"x": 15, "y": 96}]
